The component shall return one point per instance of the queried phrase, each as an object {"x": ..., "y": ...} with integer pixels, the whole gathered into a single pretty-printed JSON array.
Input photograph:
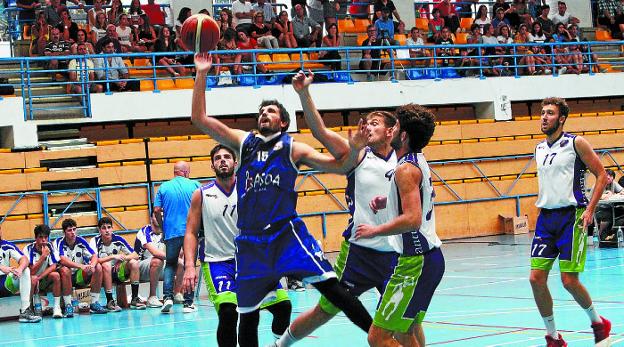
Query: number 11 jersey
[{"x": 219, "y": 218}]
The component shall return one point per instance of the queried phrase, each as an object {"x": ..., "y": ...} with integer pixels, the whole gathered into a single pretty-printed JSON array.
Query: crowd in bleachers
[{"x": 318, "y": 23}]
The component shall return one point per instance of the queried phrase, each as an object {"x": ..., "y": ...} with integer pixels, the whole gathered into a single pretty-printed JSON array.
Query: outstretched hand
[
  {"x": 203, "y": 62},
  {"x": 359, "y": 138},
  {"x": 301, "y": 82}
]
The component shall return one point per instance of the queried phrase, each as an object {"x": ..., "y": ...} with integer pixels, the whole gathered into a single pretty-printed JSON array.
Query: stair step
[{"x": 60, "y": 138}]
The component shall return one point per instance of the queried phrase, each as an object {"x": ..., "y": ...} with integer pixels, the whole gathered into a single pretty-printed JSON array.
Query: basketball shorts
[
  {"x": 559, "y": 233},
  {"x": 360, "y": 269},
  {"x": 409, "y": 291},
  {"x": 144, "y": 269},
  {"x": 80, "y": 279},
  {"x": 121, "y": 273},
  {"x": 287, "y": 249},
  {"x": 220, "y": 278},
  {"x": 9, "y": 285}
]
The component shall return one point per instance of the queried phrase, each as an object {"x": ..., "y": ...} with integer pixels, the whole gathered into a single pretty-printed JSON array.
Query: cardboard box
[{"x": 515, "y": 225}]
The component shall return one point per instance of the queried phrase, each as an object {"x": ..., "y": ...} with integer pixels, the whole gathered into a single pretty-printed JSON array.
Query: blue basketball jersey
[{"x": 266, "y": 182}]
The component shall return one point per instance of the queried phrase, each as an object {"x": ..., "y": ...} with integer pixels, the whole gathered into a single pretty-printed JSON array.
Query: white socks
[
  {"x": 95, "y": 297},
  {"x": 592, "y": 314},
  {"x": 551, "y": 330},
  {"x": 287, "y": 339},
  {"x": 57, "y": 302},
  {"x": 24, "y": 287},
  {"x": 67, "y": 299}
]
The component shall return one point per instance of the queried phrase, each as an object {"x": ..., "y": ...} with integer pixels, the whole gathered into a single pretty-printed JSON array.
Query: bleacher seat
[
  {"x": 346, "y": 26},
  {"x": 466, "y": 23},
  {"x": 461, "y": 38},
  {"x": 422, "y": 24},
  {"x": 360, "y": 25}
]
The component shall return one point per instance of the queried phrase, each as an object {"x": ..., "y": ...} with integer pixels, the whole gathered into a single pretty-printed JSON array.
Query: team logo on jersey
[
  {"x": 389, "y": 174},
  {"x": 279, "y": 145},
  {"x": 208, "y": 195},
  {"x": 78, "y": 255},
  {"x": 261, "y": 181},
  {"x": 564, "y": 143}
]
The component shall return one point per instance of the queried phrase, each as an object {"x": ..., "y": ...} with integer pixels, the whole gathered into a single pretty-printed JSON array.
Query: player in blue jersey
[
  {"x": 365, "y": 263},
  {"x": 273, "y": 240},
  {"x": 80, "y": 264},
  {"x": 561, "y": 229},
  {"x": 44, "y": 277},
  {"x": 119, "y": 261},
  {"x": 16, "y": 279},
  {"x": 411, "y": 229},
  {"x": 213, "y": 206}
]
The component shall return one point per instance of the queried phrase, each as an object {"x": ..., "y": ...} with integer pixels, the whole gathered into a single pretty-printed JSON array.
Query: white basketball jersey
[
  {"x": 30, "y": 250},
  {"x": 560, "y": 174},
  {"x": 219, "y": 217},
  {"x": 369, "y": 179},
  {"x": 424, "y": 239}
]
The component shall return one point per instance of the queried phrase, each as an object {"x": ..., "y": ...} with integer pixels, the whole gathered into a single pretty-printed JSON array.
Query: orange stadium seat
[
  {"x": 461, "y": 38},
  {"x": 422, "y": 24},
  {"x": 603, "y": 35},
  {"x": 360, "y": 25},
  {"x": 346, "y": 26},
  {"x": 466, "y": 23}
]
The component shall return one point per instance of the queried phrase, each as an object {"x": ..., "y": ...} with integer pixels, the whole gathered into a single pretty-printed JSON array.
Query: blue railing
[{"x": 269, "y": 67}]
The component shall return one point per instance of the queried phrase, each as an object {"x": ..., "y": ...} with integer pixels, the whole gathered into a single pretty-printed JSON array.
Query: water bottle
[
  {"x": 74, "y": 301},
  {"x": 620, "y": 237},
  {"x": 37, "y": 304},
  {"x": 595, "y": 239}
]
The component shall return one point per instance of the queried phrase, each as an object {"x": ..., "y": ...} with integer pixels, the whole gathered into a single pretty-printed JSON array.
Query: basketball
[{"x": 199, "y": 33}]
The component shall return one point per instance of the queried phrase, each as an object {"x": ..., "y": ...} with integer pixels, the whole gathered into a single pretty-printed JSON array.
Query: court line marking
[{"x": 476, "y": 337}]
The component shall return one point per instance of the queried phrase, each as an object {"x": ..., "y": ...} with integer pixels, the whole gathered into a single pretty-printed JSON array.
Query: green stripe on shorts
[
  {"x": 339, "y": 267},
  {"x": 280, "y": 295},
  {"x": 11, "y": 285},
  {"x": 401, "y": 288},
  {"x": 80, "y": 278},
  {"x": 225, "y": 297},
  {"x": 579, "y": 251}
]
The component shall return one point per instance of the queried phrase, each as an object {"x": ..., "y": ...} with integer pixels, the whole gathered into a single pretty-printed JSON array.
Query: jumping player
[
  {"x": 365, "y": 263},
  {"x": 214, "y": 207},
  {"x": 411, "y": 227},
  {"x": 273, "y": 240},
  {"x": 562, "y": 161}
]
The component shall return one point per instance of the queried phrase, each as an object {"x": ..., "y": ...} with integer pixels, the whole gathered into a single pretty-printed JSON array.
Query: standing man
[
  {"x": 14, "y": 279},
  {"x": 273, "y": 240},
  {"x": 171, "y": 207},
  {"x": 213, "y": 206},
  {"x": 562, "y": 161},
  {"x": 411, "y": 228},
  {"x": 365, "y": 263},
  {"x": 242, "y": 13}
]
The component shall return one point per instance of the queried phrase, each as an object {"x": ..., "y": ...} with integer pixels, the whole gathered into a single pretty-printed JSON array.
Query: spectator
[
  {"x": 331, "y": 9},
  {"x": 465, "y": 8},
  {"x": 385, "y": 27},
  {"x": 415, "y": 39},
  {"x": 562, "y": 16},
  {"x": 523, "y": 12},
  {"x": 610, "y": 17},
  {"x": 98, "y": 31},
  {"x": 543, "y": 60},
  {"x": 283, "y": 30},
  {"x": 56, "y": 47},
  {"x": 81, "y": 38},
  {"x": 166, "y": 43},
  {"x": 68, "y": 29},
  {"x": 528, "y": 59},
  {"x": 245, "y": 43},
  {"x": 547, "y": 25},
  {"x": 242, "y": 14},
  {"x": 154, "y": 12},
  {"x": 447, "y": 12},
  {"x": 115, "y": 11},
  {"x": 435, "y": 26},
  {"x": 228, "y": 60},
  {"x": 535, "y": 7},
  {"x": 488, "y": 38},
  {"x": 332, "y": 39},
  {"x": 482, "y": 17},
  {"x": 262, "y": 33},
  {"x": 315, "y": 12},
  {"x": 124, "y": 35},
  {"x": 27, "y": 13},
  {"x": 564, "y": 60},
  {"x": 512, "y": 16},
  {"x": 537, "y": 35},
  {"x": 468, "y": 56},
  {"x": 504, "y": 35},
  {"x": 371, "y": 58},
  {"x": 135, "y": 9},
  {"x": 499, "y": 19},
  {"x": 305, "y": 29},
  {"x": 40, "y": 33},
  {"x": 394, "y": 14},
  {"x": 93, "y": 12},
  {"x": 52, "y": 12},
  {"x": 604, "y": 215},
  {"x": 144, "y": 35},
  {"x": 499, "y": 4},
  {"x": 561, "y": 33},
  {"x": 267, "y": 10},
  {"x": 112, "y": 71},
  {"x": 225, "y": 20},
  {"x": 184, "y": 13},
  {"x": 82, "y": 73},
  {"x": 445, "y": 39}
]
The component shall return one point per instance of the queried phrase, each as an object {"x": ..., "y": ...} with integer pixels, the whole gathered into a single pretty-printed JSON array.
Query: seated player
[
  {"x": 214, "y": 207},
  {"x": 16, "y": 279},
  {"x": 44, "y": 277},
  {"x": 150, "y": 248},
  {"x": 80, "y": 262},
  {"x": 119, "y": 260}
]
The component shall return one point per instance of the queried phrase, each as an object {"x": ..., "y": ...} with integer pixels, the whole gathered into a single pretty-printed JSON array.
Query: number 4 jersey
[
  {"x": 219, "y": 218},
  {"x": 560, "y": 173}
]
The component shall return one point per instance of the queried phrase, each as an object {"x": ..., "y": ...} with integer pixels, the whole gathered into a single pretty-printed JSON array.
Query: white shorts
[{"x": 144, "y": 269}]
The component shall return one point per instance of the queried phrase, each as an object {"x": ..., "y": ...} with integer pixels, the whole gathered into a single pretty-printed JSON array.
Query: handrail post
[
  {"x": 515, "y": 56},
  {"x": 108, "y": 91},
  {"x": 435, "y": 64},
  {"x": 154, "y": 76},
  {"x": 86, "y": 92},
  {"x": 29, "y": 94},
  {"x": 481, "y": 77},
  {"x": 23, "y": 85},
  {"x": 254, "y": 68},
  {"x": 589, "y": 60},
  {"x": 393, "y": 78}
]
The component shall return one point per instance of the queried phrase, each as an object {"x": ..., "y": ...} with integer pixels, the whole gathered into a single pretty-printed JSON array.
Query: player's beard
[
  {"x": 551, "y": 130},
  {"x": 225, "y": 174},
  {"x": 396, "y": 141}
]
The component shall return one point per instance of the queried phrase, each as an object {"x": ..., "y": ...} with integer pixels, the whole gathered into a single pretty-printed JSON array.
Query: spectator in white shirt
[
  {"x": 242, "y": 13},
  {"x": 562, "y": 16}
]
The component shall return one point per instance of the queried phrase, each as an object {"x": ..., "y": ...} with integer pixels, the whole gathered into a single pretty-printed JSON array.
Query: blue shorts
[
  {"x": 262, "y": 260},
  {"x": 9, "y": 286},
  {"x": 559, "y": 233},
  {"x": 361, "y": 269}
]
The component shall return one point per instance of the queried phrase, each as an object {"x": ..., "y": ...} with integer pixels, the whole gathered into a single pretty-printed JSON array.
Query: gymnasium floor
[{"x": 484, "y": 300}]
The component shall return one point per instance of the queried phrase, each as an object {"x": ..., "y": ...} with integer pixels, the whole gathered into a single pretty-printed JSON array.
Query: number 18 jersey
[{"x": 560, "y": 174}]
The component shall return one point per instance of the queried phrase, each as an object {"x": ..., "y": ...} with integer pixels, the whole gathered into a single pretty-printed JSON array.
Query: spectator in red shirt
[
  {"x": 447, "y": 12},
  {"x": 155, "y": 13}
]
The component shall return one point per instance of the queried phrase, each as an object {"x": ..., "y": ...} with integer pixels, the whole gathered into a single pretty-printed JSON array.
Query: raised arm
[
  {"x": 193, "y": 221},
  {"x": 210, "y": 125},
  {"x": 589, "y": 157}
]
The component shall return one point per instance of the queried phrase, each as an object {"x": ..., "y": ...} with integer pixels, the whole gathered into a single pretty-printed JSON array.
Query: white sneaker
[
  {"x": 178, "y": 298},
  {"x": 563, "y": 70},
  {"x": 153, "y": 301},
  {"x": 57, "y": 313},
  {"x": 166, "y": 308},
  {"x": 189, "y": 308}
]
